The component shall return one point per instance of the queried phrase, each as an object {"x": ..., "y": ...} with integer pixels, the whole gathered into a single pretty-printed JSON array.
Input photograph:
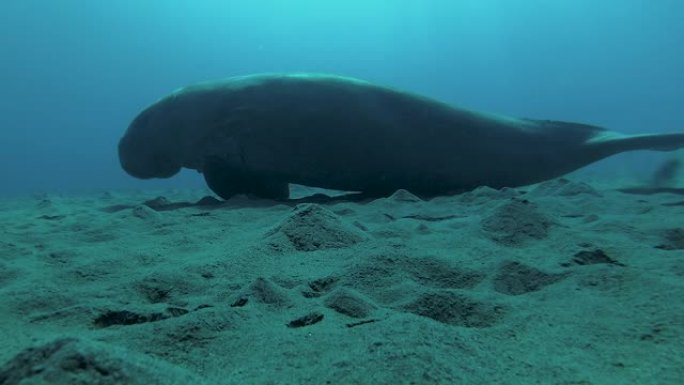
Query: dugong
[{"x": 255, "y": 134}]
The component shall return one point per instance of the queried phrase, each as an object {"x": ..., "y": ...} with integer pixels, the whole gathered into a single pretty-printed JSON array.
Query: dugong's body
[{"x": 255, "y": 134}]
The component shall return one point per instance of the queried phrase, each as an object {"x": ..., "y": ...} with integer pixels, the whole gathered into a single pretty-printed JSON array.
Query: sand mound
[
  {"x": 311, "y": 227},
  {"x": 516, "y": 223},
  {"x": 72, "y": 361}
]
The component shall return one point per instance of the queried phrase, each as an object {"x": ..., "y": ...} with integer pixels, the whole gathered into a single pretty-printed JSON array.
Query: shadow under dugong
[{"x": 255, "y": 134}]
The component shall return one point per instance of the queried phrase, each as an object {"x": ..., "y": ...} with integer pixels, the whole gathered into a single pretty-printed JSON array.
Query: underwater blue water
[{"x": 73, "y": 73}]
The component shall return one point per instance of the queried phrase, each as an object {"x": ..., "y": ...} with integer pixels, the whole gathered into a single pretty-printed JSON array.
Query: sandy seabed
[{"x": 559, "y": 283}]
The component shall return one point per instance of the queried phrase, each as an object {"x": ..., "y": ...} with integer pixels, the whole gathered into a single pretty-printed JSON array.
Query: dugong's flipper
[{"x": 226, "y": 181}]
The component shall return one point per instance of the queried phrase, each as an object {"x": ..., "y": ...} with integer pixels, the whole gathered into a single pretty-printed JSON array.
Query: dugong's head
[
  {"x": 169, "y": 134},
  {"x": 146, "y": 150}
]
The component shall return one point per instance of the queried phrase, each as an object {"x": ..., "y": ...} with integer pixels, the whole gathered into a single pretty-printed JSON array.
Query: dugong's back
[{"x": 347, "y": 134}]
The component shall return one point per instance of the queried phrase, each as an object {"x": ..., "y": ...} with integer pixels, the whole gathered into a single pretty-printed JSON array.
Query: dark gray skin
[{"x": 255, "y": 134}]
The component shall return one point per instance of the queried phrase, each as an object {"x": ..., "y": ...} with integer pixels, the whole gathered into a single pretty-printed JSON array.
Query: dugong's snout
[{"x": 142, "y": 160}]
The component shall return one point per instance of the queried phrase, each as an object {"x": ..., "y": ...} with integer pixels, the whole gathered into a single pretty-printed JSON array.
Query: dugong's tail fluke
[
  {"x": 656, "y": 142},
  {"x": 616, "y": 143}
]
